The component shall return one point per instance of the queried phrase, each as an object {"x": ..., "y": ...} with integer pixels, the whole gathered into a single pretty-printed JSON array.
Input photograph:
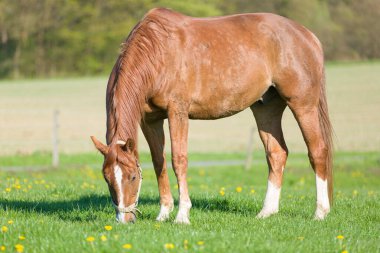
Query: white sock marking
[
  {"x": 164, "y": 213},
  {"x": 183, "y": 212},
  {"x": 323, "y": 204},
  {"x": 272, "y": 200}
]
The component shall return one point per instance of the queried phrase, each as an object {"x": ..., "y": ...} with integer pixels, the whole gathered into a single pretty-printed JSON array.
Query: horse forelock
[{"x": 132, "y": 77}]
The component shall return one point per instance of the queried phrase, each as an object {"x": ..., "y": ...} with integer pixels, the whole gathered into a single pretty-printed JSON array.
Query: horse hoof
[
  {"x": 182, "y": 220},
  {"x": 265, "y": 214},
  {"x": 320, "y": 213}
]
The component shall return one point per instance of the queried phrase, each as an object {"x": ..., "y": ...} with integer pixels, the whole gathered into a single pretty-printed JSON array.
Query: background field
[{"x": 26, "y": 109}]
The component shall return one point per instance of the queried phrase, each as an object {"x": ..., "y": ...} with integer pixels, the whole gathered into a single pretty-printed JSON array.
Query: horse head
[{"x": 122, "y": 173}]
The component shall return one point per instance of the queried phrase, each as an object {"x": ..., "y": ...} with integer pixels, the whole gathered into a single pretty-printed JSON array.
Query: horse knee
[
  {"x": 277, "y": 157},
  {"x": 179, "y": 163}
]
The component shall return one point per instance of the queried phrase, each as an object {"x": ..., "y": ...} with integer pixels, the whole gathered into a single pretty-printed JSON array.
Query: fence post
[
  {"x": 55, "y": 140},
  {"x": 249, "y": 157}
]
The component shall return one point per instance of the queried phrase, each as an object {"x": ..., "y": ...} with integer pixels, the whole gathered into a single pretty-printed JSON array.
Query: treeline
[{"x": 44, "y": 38}]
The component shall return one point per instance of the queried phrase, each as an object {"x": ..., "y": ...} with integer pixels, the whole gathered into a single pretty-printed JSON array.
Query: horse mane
[{"x": 133, "y": 76}]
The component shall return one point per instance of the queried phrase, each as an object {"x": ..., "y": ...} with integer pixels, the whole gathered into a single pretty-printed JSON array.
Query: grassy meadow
[{"x": 67, "y": 209}]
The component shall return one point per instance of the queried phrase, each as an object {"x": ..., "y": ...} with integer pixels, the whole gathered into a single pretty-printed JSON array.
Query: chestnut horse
[{"x": 179, "y": 67}]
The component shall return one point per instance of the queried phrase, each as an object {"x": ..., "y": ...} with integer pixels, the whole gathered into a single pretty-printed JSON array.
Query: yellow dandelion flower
[
  {"x": 169, "y": 246},
  {"x": 10, "y": 222},
  {"x": 221, "y": 193},
  {"x": 239, "y": 189},
  {"x": 18, "y": 187},
  {"x": 127, "y": 246},
  {"x": 90, "y": 239},
  {"x": 201, "y": 243},
  {"x": 355, "y": 193},
  {"x": 21, "y": 237},
  {"x": 344, "y": 251},
  {"x": 19, "y": 248},
  {"x": 103, "y": 238},
  {"x": 8, "y": 189},
  {"x": 108, "y": 228},
  {"x": 4, "y": 229},
  {"x": 253, "y": 191},
  {"x": 185, "y": 242},
  {"x": 2, "y": 248},
  {"x": 340, "y": 237}
]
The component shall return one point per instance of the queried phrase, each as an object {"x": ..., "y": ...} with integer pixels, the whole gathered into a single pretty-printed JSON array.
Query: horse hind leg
[
  {"x": 319, "y": 151},
  {"x": 309, "y": 107},
  {"x": 268, "y": 115}
]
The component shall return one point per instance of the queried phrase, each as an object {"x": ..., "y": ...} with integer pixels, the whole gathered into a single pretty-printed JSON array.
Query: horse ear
[{"x": 100, "y": 146}]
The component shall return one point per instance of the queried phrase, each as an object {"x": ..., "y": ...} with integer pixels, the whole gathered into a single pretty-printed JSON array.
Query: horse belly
[{"x": 224, "y": 102}]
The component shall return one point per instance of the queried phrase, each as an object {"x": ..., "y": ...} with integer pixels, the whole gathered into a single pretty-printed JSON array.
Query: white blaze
[{"x": 119, "y": 176}]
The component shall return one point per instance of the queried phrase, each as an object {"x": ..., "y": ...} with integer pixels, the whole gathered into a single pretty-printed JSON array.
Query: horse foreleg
[
  {"x": 154, "y": 134},
  {"x": 268, "y": 118},
  {"x": 178, "y": 125}
]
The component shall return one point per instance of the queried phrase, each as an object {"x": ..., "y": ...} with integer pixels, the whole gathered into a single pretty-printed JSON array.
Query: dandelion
[
  {"x": 185, "y": 244},
  {"x": 221, "y": 192},
  {"x": 370, "y": 193},
  {"x": 90, "y": 239},
  {"x": 103, "y": 238},
  {"x": 8, "y": 189},
  {"x": 239, "y": 189},
  {"x": 344, "y": 251},
  {"x": 127, "y": 246},
  {"x": 108, "y": 228},
  {"x": 2, "y": 248},
  {"x": 10, "y": 222},
  {"x": 169, "y": 246},
  {"x": 201, "y": 243},
  {"x": 340, "y": 237},
  {"x": 21, "y": 237},
  {"x": 252, "y": 191},
  {"x": 4, "y": 229},
  {"x": 19, "y": 248},
  {"x": 355, "y": 193}
]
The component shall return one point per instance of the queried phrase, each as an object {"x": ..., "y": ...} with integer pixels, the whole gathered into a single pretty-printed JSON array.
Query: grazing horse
[{"x": 179, "y": 67}]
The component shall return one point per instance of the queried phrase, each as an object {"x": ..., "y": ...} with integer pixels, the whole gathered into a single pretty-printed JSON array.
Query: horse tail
[{"x": 327, "y": 131}]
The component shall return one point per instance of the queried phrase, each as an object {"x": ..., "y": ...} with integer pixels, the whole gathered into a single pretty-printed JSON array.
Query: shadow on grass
[{"x": 89, "y": 208}]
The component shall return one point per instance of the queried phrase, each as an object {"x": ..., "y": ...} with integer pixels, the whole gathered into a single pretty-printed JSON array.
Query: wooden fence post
[
  {"x": 249, "y": 157},
  {"x": 55, "y": 140}
]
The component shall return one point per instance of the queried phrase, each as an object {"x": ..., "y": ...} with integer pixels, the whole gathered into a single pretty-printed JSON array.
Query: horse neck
[
  {"x": 125, "y": 100},
  {"x": 133, "y": 78}
]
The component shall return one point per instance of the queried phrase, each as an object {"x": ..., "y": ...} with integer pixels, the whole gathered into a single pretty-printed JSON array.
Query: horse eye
[{"x": 133, "y": 178}]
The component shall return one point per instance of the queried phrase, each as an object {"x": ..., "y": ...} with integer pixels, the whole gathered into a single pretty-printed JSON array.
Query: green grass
[{"x": 63, "y": 207}]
